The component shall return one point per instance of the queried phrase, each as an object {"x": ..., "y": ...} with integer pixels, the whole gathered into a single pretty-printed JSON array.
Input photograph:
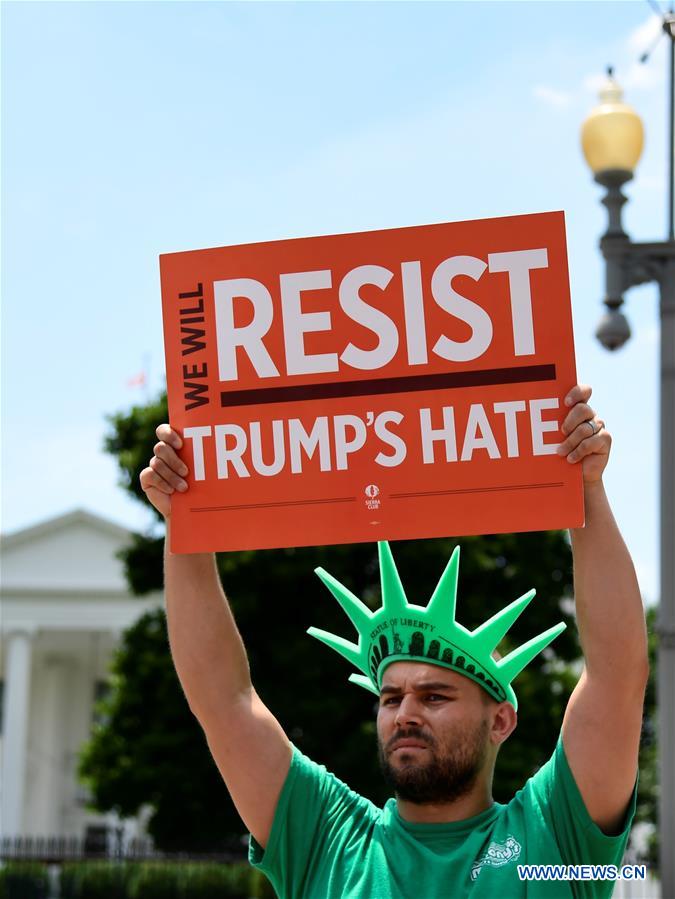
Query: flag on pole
[{"x": 138, "y": 380}]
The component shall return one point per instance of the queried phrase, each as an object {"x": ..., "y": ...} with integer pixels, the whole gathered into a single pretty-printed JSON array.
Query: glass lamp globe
[{"x": 612, "y": 135}]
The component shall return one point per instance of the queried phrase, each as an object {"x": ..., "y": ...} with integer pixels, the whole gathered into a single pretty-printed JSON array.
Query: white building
[{"x": 65, "y": 603}]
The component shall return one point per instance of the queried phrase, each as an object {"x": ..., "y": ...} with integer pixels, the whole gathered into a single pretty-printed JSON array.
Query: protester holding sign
[{"x": 445, "y": 707}]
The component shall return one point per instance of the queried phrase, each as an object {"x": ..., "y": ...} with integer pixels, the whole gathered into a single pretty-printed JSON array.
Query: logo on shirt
[{"x": 497, "y": 855}]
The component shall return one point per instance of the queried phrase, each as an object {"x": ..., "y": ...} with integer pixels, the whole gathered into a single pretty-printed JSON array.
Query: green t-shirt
[{"x": 327, "y": 842}]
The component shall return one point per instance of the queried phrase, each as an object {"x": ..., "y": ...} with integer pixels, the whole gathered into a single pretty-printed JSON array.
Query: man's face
[{"x": 433, "y": 730}]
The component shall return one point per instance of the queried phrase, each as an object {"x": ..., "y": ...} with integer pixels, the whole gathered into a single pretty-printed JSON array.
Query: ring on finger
[{"x": 596, "y": 426}]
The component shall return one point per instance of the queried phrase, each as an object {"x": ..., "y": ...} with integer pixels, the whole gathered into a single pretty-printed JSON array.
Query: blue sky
[{"x": 132, "y": 129}]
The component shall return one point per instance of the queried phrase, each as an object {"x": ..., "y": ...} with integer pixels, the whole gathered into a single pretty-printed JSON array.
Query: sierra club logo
[
  {"x": 372, "y": 492},
  {"x": 497, "y": 855}
]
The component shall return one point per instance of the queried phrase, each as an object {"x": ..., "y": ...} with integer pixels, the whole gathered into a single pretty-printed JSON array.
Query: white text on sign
[
  {"x": 250, "y": 337},
  {"x": 289, "y": 445}
]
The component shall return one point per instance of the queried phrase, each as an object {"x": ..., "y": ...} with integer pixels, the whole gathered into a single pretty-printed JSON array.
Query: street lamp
[{"x": 612, "y": 140}]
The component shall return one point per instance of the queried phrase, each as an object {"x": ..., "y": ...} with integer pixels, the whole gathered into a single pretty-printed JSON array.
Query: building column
[
  {"x": 48, "y": 803},
  {"x": 15, "y": 729}
]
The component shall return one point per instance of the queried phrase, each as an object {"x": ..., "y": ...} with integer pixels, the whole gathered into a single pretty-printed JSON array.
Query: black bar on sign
[{"x": 408, "y": 384}]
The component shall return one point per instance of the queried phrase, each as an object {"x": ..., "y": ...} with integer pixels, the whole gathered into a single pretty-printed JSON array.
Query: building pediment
[{"x": 74, "y": 553}]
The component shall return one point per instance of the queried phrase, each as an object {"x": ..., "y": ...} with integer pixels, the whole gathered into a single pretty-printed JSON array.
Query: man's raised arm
[
  {"x": 248, "y": 744},
  {"x": 601, "y": 729}
]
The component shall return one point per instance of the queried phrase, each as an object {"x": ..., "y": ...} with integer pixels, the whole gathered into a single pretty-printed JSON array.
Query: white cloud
[
  {"x": 629, "y": 71},
  {"x": 653, "y": 183},
  {"x": 644, "y": 76},
  {"x": 649, "y": 337},
  {"x": 593, "y": 82},
  {"x": 551, "y": 96},
  {"x": 644, "y": 36}
]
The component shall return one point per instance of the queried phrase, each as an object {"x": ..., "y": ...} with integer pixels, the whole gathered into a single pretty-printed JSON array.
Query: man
[{"x": 440, "y": 725}]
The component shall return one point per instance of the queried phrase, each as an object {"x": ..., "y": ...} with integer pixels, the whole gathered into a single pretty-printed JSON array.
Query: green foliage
[
  {"x": 259, "y": 886},
  {"x": 189, "y": 881},
  {"x": 157, "y": 880},
  {"x": 23, "y": 880},
  {"x": 648, "y": 783},
  {"x": 95, "y": 880},
  {"x": 213, "y": 881},
  {"x": 131, "y": 439},
  {"x": 143, "y": 563},
  {"x": 151, "y": 750}
]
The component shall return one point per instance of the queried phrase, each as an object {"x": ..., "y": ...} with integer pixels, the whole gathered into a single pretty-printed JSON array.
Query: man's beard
[{"x": 447, "y": 776}]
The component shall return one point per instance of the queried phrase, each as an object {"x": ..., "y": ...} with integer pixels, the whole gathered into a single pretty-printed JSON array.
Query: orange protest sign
[{"x": 381, "y": 385}]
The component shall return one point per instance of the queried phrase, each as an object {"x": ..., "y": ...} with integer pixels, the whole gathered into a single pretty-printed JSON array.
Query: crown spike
[
  {"x": 358, "y": 612},
  {"x": 393, "y": 596},
  {"x": 491, "y": 631},
  {"x": 512, "y": 664},
  {"x": 349, "y": 651},
  {"x": 362, "y": 680},
  {"x": 444, "y": 600}
]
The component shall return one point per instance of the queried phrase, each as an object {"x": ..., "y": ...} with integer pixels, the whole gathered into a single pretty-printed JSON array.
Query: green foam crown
[{"x": 402, "y": 631}]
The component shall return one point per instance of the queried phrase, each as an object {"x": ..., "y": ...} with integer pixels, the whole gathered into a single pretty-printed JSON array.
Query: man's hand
[
  {"x": 586, "y": 439},
  {"x": 165, "y": 471}
]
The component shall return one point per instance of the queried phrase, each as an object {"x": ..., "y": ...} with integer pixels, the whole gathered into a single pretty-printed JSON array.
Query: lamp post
[{"x": 612, "y": 142}]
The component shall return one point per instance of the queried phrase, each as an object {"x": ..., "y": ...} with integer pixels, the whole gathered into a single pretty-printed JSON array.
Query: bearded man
[{"x": 445, "y": 707}]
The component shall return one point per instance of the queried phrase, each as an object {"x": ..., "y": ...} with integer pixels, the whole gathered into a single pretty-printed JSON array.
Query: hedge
[
  {"x": 23, "y": 880},
  {"x": 137, "y": 880}
]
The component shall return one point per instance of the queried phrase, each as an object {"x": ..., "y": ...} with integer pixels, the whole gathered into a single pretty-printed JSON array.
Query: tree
[
  {"x": 149, "y": 748},
  {"x": 648, "y": 784}
]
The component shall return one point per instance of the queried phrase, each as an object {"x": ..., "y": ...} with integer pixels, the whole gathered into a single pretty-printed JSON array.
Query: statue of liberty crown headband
[{"x": 400, "y": 631}]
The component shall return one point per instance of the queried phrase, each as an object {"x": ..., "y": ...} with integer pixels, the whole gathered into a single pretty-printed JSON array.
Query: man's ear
[{"x": 504, "y": 720}]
